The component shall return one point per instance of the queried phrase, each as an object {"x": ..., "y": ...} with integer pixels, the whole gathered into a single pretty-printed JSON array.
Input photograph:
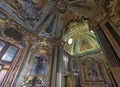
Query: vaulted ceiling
[
  {"x": 79, "y": 40},
  {"x": 47, "y": 18}
]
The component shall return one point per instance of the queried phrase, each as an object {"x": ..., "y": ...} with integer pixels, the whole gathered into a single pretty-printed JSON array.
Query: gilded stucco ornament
[
  {"x": 100, "y": 15},
  {"x": 111, "y": 7},
  {"x": 9, "y": 33},
  {"x": 27, "y": 9},
  {"x": 92, "y": 70},
  {"x": 43, "y": 47},
  {"x": 40, "y": 58},
  {"x": 7, "y": 22},
  {"x": 83, "y": 41},
  {"x": 113, "y": 10},
  {"x": 33, "y": 80},
  {"x": 62, "y": 7}
]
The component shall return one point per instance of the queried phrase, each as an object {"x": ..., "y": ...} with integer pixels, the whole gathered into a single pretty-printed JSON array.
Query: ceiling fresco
[
  {"x": 47, "y": 18},
  {"x": 79, "y": 40},
  {"x": 50, "y": 18}
]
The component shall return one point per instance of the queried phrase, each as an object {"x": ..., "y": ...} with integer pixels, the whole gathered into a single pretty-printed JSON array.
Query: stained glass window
[
  {"x": 2, "y": 44},
  {"x": 9, "y": 54}
]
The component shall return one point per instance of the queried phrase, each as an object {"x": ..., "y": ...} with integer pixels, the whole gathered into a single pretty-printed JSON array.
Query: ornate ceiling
[
  {"x": 49, "y": 18},
  {"x": 79, "y": 40}
]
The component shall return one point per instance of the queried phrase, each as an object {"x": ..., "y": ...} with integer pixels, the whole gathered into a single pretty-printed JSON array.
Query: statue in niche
[
  {"x": 38, "y": 66},
  {"x": 92, "y": 72},
  {"x": 76, "y": 78}
]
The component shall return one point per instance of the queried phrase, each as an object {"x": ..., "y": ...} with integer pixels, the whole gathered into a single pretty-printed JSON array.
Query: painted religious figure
[
  {"x": 28, "y": 9},
  {"x": 38, "y": 65},
  {"x": 37, "y": 69},
  {"x": 92, "y": 72}
]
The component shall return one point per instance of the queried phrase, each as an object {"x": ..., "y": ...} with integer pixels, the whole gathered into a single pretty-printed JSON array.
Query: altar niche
[
  {"x": 37, "y": 73},
  {"x": 93, "y": 73},
  {"x": 38, "y": 65}
]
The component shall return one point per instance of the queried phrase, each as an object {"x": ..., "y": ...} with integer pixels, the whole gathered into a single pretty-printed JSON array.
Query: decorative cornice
[
  {"x": 10, "y": 21},
  {"x": 61, "y": 7},
  {"x": 107, "y": 10}
]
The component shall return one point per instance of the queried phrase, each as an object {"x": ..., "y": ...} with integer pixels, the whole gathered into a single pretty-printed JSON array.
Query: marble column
[
  {"x": 57, "y": 66},
  {"x": 60, "y": 67}
]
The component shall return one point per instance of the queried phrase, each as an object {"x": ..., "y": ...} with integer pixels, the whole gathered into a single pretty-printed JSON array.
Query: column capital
[{"x": 56, "y": 42}]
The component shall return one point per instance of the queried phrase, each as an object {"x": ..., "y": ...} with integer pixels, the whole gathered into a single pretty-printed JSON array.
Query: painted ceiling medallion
[
  {"x": 83, "y": 41},
  {"x": 79, "y": 40}
]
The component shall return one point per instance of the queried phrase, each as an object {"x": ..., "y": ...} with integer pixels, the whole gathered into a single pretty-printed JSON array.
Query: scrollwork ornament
[
  {"x": 113, "y": 11},
  {"x": 61, "y": 7},
  {"x": 9, "y": 39},
  {"x": 111, "y": 7},
  {"x": 33, "y": 80}
]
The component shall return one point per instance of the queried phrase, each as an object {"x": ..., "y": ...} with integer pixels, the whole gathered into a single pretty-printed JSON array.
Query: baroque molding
[
  {"x": 110, "y": 9},
  {"x": 62, "y": 7}
]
